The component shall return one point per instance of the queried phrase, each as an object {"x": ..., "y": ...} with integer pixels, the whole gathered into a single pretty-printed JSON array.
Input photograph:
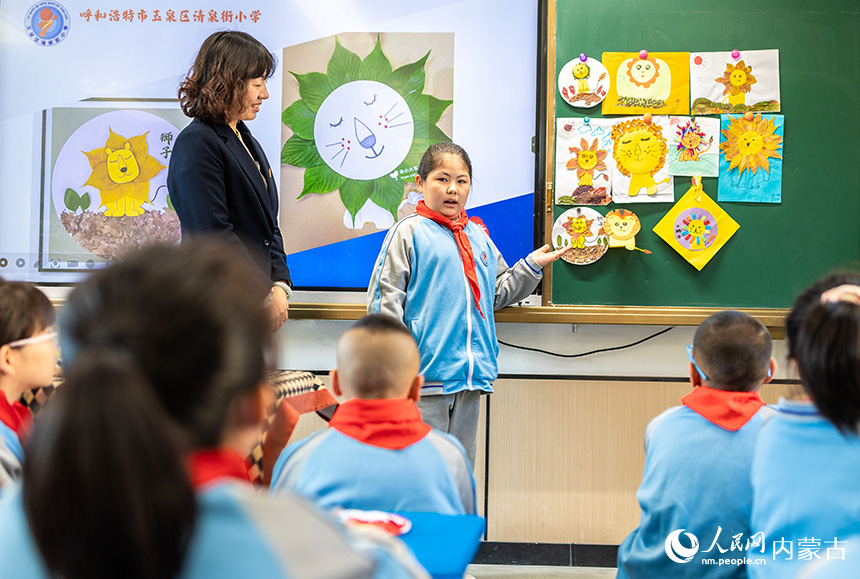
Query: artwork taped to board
[
  {"x": 639, "y": 152},
  {"x": 105, "y": 182},
  {"x": 581, "y": 231},
  {"x": 583, "y": 161},
  {"x": 696, "y": 227},
  {"x": 734, "y": 82},
  {"x": 751, "y": 158},
  {"x": 658, "y": 84},
  {"x": 583, "y": 82},
  {"x": 694, "y": 146}
]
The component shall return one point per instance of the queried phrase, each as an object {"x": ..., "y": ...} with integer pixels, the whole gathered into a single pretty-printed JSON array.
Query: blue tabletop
[{"x": 444, "y": 544}]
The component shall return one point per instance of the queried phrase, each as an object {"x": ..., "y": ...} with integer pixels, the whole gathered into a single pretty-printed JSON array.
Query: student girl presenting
[{"x": 443, "y": 277}]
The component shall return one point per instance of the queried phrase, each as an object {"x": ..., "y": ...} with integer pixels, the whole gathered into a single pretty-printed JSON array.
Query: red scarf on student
[
  {"x": 215, "y": 463},
  {"x": 392, "y": 423},
  {"x": 727, "y": 409},
  {"x": 457, "y": 227},
  {"x": 16, "y": 416}
]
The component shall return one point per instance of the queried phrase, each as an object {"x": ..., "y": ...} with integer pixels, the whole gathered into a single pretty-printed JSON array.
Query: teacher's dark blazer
[{"x": 216, "y": 189}]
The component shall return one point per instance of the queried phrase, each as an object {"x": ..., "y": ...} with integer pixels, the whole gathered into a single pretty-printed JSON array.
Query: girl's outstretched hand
[{"x": 544, "y": 256}]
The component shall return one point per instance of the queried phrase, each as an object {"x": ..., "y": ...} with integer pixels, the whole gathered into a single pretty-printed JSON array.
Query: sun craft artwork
[
  {"x": 751, "y": 160},
  {"x": 696, "y": 227},
  {"x": 361, "y": 128}
]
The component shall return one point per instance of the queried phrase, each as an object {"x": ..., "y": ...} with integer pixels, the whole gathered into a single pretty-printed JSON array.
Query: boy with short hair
[
  {"x": 377, "y": 453},
  {"x": 695, "y": 493}
]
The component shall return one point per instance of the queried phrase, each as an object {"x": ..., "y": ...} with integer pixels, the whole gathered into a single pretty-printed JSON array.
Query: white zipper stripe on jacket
[{"x": 469, "y": 353}]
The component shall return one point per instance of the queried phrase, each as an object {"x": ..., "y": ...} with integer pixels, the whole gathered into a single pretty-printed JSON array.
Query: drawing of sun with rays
[
  {"x": 361, "y": 127},
  {"x": 750, "y": 144}
]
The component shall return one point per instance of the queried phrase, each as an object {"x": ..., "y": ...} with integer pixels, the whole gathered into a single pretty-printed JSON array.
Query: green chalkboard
[{"x": 779, "y": 248}]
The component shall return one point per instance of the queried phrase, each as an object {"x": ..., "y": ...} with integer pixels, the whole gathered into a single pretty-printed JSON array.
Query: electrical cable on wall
[{"x": 651, "y": 337}]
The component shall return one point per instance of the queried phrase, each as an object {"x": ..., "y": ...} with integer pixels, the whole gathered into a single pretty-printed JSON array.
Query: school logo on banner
[{"x": 47, "y": 23}]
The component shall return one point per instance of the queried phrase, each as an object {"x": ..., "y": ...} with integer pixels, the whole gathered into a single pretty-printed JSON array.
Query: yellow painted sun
[
  {"x": 121, "y": 172},
  {"x": 586, "y": 160},
  {"x": 737, "y": 80},
  {"x": 749, "y": 144}
]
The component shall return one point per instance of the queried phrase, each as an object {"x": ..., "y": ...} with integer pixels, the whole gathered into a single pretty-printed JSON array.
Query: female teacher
[{"x": 219, "y": 179}]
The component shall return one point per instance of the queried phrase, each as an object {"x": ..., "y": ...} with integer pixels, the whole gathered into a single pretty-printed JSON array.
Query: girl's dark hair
[
  {"x": 432, "y": 158},
  {"x": 810, "y": 297},
  {"x": 157, "y": 348},
  {"x": 215, "y": 86},
  {"x": 24, "y": 311},
  {"x": 827, "y": 353}
]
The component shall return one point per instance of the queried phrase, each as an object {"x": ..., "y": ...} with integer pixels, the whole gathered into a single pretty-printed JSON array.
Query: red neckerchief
[
  {"x": 457, "y": 228},
  {"x": 392, "y": 423},
  {"x": 16, "y": 416},
  {"x": 215, "y": 463},
  {"x": 727, "y": 409}
]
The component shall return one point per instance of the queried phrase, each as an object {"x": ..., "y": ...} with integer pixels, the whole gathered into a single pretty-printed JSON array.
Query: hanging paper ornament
[
  {"x": 583, "y": 82},
  {"x": 581, "y": 230},
  {"x": 696, "y": 227}
]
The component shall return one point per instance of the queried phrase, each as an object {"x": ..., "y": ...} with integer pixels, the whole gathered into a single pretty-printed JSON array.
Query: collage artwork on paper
[{"x": 634, "y": 159}]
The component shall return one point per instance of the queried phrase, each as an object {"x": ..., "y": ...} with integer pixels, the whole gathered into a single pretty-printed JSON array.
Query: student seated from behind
[
  {"x": 28, "y": 360},
  {"x": 698, "y": 457},
  {"x": 135, "y": 468},
  {"x": 806, "y": 499},
  {"x": 377, "y": 453}
]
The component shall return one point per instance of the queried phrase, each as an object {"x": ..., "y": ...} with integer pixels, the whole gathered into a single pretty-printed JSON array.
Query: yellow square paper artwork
[{"x": 696, "y": 227}]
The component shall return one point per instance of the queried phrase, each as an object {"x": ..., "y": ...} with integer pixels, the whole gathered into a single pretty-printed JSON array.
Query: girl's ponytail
[{"x": 107, "y": 492}]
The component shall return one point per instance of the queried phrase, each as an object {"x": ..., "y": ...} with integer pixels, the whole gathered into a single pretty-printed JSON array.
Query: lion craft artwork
[
  {"x": 655, "y": 82},
  {"x": 622, "y": 225},
  {"x": 583, "y": 82},
  {"x": 734, "y": 82},
  {"x": 581, "y": 231},
  {"x": 121, "y": 171},
  {"x": 583, "y": 163},
  {"x": 693, "y": 149},
  {"x": 751, "y": 159},
  {"x": 696, "y": 227},
  {"x": 639, "y": 150}
]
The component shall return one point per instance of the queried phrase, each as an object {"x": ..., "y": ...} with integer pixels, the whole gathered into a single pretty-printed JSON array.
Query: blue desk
[{"x": 444, "y": 544}]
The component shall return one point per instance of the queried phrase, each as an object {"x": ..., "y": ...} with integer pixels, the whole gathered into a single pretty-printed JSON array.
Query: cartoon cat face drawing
[{"x": 363, "y": 130}]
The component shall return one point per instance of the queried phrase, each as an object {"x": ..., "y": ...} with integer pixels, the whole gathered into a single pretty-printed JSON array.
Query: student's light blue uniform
[
  {"x": 241, "y": 534},
  {"x": 11, "y": 458},
  {"x": 418, "y": 278},
  {"x": 332, "y": 470},
  {"x": 806, "y": 489},
  {"x": 696, "y": 480}
]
